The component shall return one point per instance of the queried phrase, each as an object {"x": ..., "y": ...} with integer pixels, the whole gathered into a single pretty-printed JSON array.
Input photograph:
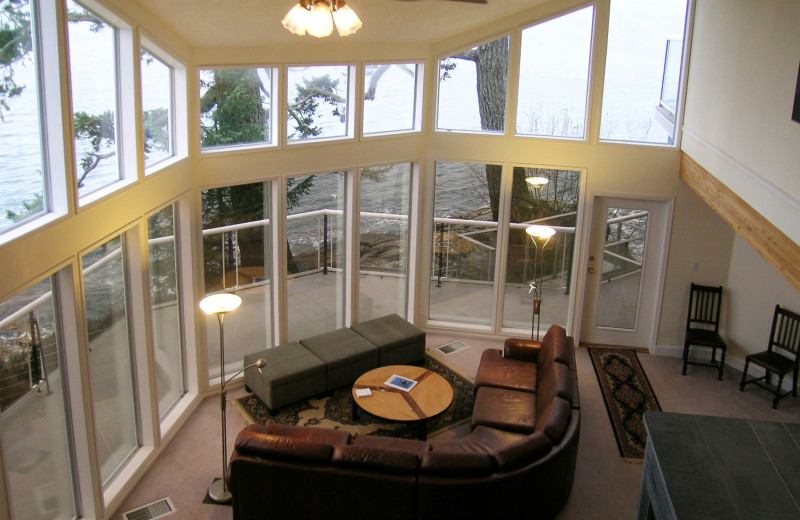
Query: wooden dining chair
[
  {"x": 781, "y": 356},
  {"x": 702, "y": 326}
]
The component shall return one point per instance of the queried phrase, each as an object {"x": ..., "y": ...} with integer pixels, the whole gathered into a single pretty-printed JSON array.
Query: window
[
  {"x": 237, "y": 107},
  {"x": 472, "y": 89},
  {"x": 236, "y": 257},
  {"x": 546, "y": 197},
  {"x": 638, "y": 38},
  {"x": 554, "y": 76},
  {"x": 391, "y": 97},
  {"x": 110, "y": 356},
  {"x": 316, "y": 254},
  {"x": 383, "y": 267},
  {"x": 157, "y": 109},
  {"x": 319, "y": 103},
  {"x": 23, "y": 186},
  {"x": 464, "y": 242},
  {"x": 36, "y": 453},
  {"x": 93, "y": 67},
  {"x": 165, "y": 308}
]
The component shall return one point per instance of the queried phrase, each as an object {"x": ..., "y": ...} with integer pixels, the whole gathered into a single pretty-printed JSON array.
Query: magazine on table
[{"x": 401, "y": 383}]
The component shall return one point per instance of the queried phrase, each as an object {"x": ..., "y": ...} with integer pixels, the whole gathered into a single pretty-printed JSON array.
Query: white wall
[{"x": 737, "y": 124}]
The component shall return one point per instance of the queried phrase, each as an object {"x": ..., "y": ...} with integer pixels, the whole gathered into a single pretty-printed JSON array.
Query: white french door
[{"x": 626, "y": 263}]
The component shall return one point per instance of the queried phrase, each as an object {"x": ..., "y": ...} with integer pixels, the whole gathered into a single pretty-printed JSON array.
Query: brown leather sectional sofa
[{"x": 519, "y": 458}]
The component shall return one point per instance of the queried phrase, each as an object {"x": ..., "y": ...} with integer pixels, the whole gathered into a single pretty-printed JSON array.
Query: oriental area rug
[
  {"x": 627, "y": 394},
  {"x": 335, "y": 410}
]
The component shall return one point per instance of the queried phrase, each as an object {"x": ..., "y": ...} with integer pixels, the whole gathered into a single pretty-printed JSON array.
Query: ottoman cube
[
  {"x": 346, "y": 355},
  {"x": 505, "y": 409},
  {"x": 292, "y": 373},
  {"x": 398, "y": 341}
]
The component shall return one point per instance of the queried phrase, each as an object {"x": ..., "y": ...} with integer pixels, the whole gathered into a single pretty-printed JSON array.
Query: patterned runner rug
[
  {"x": 335, "y": 410},
  {"x": 627, "y": 394}
]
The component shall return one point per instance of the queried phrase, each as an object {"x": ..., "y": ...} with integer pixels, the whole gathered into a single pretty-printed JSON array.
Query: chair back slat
[
  {"x": 705, "y": 305},
  {"x": 785, "y": 331}
]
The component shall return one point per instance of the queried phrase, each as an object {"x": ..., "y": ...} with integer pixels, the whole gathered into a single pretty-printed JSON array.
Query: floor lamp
[
  {"x": 540, "y": 235},
  {"x": 220, "y": 304}
]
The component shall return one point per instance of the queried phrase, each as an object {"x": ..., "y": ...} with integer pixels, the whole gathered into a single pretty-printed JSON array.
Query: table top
[
  {"x": 430, "y": 396},
  {"x": 720, "y": 467}
]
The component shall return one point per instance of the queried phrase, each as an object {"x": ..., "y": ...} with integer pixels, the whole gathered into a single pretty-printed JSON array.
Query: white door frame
[{"x": 659, "y": 228}]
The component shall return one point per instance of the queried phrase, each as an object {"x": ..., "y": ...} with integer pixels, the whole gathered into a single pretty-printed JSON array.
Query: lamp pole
[{"x": 543, "y": 234}]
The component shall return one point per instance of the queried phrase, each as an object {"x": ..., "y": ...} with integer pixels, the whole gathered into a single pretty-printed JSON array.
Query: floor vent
[
  {"x": 157, "y": 509},
  {"x": 449, "y": 348}
]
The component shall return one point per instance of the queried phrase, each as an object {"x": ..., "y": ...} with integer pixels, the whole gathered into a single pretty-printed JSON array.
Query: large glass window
[
  {"x": 319, "y": 103},
  {"x": 316, "y": 253},
  {"x": 34, "y": 430},
  {"x": 472, "y": 89},
  {"x": 385, "y": 208},
  {"x": 466, "y": 206},
  {"x": 540, "y": 268},
  {"x": 110, "y": 356},
  {"x": 22, "y": 169},
  {"x": 236, "y": 257},
  {"x": 164, "y": 308},
  {"x": 236, "y": 107},
  {"x": 93, "y": 77},
  {"x": 391, "y": 100},
  {"x": 637, "y": 60},
  {"x": 157, "y": 109},
  {"x": 554, "y": 76}
]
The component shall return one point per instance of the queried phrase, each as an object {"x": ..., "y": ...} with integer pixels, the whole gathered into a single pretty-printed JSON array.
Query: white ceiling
[{"x": 246, "y": 23}]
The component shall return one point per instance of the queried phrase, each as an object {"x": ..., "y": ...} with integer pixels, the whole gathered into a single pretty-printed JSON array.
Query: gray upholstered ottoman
[
  {"x": 346, "y": 354},
  {"x": 398, "y": 341},
  {"x": 292, "y": 373}
]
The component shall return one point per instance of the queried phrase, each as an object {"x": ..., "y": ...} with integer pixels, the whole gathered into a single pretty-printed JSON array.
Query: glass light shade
[
  {"x": 541, "y": 232},
  {"x": 347, "y": 22},
  {"x": 536, "y": 182},
  {"x": 320, "y": 23},
  {"x": 220, "y": 303},
  {"x": 297, "y": 19}
]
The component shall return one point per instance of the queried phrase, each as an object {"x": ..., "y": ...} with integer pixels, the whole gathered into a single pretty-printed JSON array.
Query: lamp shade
[
  {"x": 347, "y": 21},
  {"x": 220, "y": 303},
  {"x": 540, "y": 232},
  {"x": 320, "y": 23}
]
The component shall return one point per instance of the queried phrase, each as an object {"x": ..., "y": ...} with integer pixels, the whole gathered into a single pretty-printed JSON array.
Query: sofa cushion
[
  {"x": 276, "y": 446},
  {"x": 502, "y": 372},
  {"x": 461, "y": 464},
  {"x": 556, "y": 382},
  {"x": 554, "y": 418},
  {"x": 522, "y": 349},
  {"x": 555, "y": 349},
  {"x": 505, "y": 409},
  {"x": 324, "y": 435},
  {"x": 346, "y": 354},
  {"x": 398, "y": 341},
  {"x": 523, "y": 451},
  {"x": 369, "y": 458},
  {"x": 483, "y": 439},
  {"x": 414, "y": 446}
]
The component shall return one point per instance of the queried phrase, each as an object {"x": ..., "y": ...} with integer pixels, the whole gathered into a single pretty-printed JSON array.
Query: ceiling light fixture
[{"x": 317, "y": 17}]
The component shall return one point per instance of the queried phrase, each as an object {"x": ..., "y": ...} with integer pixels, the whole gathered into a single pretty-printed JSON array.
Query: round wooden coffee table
[{"x": 429, "y": 397}]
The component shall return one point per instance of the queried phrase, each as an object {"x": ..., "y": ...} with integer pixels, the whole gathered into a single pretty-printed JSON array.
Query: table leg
[{"x": 422, "y": 430}]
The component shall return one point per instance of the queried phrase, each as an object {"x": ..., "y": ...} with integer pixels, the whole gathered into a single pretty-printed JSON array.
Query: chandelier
[{"x": 317, "y": 17}]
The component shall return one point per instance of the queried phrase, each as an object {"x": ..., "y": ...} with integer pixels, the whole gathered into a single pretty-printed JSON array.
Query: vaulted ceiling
[{"x": 253, "y": 23}]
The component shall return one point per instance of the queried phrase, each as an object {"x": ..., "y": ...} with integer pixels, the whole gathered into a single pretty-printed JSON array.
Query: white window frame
[{"x": 419, "y": 88}]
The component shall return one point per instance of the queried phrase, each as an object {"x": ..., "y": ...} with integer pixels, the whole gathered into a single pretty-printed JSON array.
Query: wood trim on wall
[{"x": 769, "y": 241}]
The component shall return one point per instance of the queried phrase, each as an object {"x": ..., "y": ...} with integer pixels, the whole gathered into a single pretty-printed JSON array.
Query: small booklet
[
  {"x": 401, "y": 383},
  {"x": 363, "y": 392}
]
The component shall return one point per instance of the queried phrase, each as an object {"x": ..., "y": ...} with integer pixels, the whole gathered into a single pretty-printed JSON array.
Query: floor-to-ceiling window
[
  {"x": 315, "y": 233},
  {"x": 466, "y": 205},
  {"x": 384, "y": 226},
  {"x": 36, "y": 441},
  {"x": 111, "y": 365}
]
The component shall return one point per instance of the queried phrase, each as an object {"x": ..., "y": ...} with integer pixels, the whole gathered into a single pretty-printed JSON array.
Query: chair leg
[
  {"x": 744, "y": 376},
  {"x": 685, "y": 358},
  {"x": 778, "y": 391},
  {"x": 721, "y": 364},
  {"x": 794, "y": 383}
]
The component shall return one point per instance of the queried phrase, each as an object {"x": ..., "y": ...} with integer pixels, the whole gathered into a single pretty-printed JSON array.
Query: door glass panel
[
  {"x": 623, "y": 257},
  {"x": 36, "y": 453},
  {"x": 383, "y": 265},
  {"x": 315, "y": 263},
  {"x": 464, "y": 242},
  {"x": 543, "y": 197}
]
